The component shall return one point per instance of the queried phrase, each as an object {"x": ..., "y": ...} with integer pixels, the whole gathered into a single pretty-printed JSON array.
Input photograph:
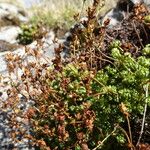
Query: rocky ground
[{"x": 10, "y": 19}]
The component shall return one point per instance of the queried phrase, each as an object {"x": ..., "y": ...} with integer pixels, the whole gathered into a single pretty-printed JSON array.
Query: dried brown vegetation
[{"x": 93, "y": 95}]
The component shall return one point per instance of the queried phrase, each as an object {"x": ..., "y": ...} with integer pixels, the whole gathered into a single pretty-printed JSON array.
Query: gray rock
[
  {"x": 6, "y": 46},
  {"x": 120, "y": 12},
  {"x": 9, "y": 33},
  {"x": 10, "y": 17},
  {"x": 12, "y": 14}
]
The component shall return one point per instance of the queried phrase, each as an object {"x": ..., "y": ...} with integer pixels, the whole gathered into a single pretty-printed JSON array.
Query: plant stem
[
  {"x": 99, "y": 145},
  {"x": 129, "y": 128},
  {"x": 144, "y": 115}
]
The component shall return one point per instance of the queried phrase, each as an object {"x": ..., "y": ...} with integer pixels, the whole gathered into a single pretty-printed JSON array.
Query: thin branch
[
  {"x": 125, "y": 133},
  {"x": 98, "y": 82},
  {"x": 128, "y": 138},
  {"x": 99, "y": 145},
  {"x": 137, "y": 34},
  {"x": 129, "y": 128},
  {"x": 144, "y": 115}
]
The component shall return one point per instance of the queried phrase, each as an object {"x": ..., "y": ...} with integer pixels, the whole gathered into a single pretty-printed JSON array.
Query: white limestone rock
[
  {"x": 11, "y": 11},
  {"x": 9, "y": 33}
]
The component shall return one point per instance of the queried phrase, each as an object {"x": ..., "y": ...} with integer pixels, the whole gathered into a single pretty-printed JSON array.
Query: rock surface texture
[
  {"x": 10, "y": 19},
  {"x": 9, "y": 31}
]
